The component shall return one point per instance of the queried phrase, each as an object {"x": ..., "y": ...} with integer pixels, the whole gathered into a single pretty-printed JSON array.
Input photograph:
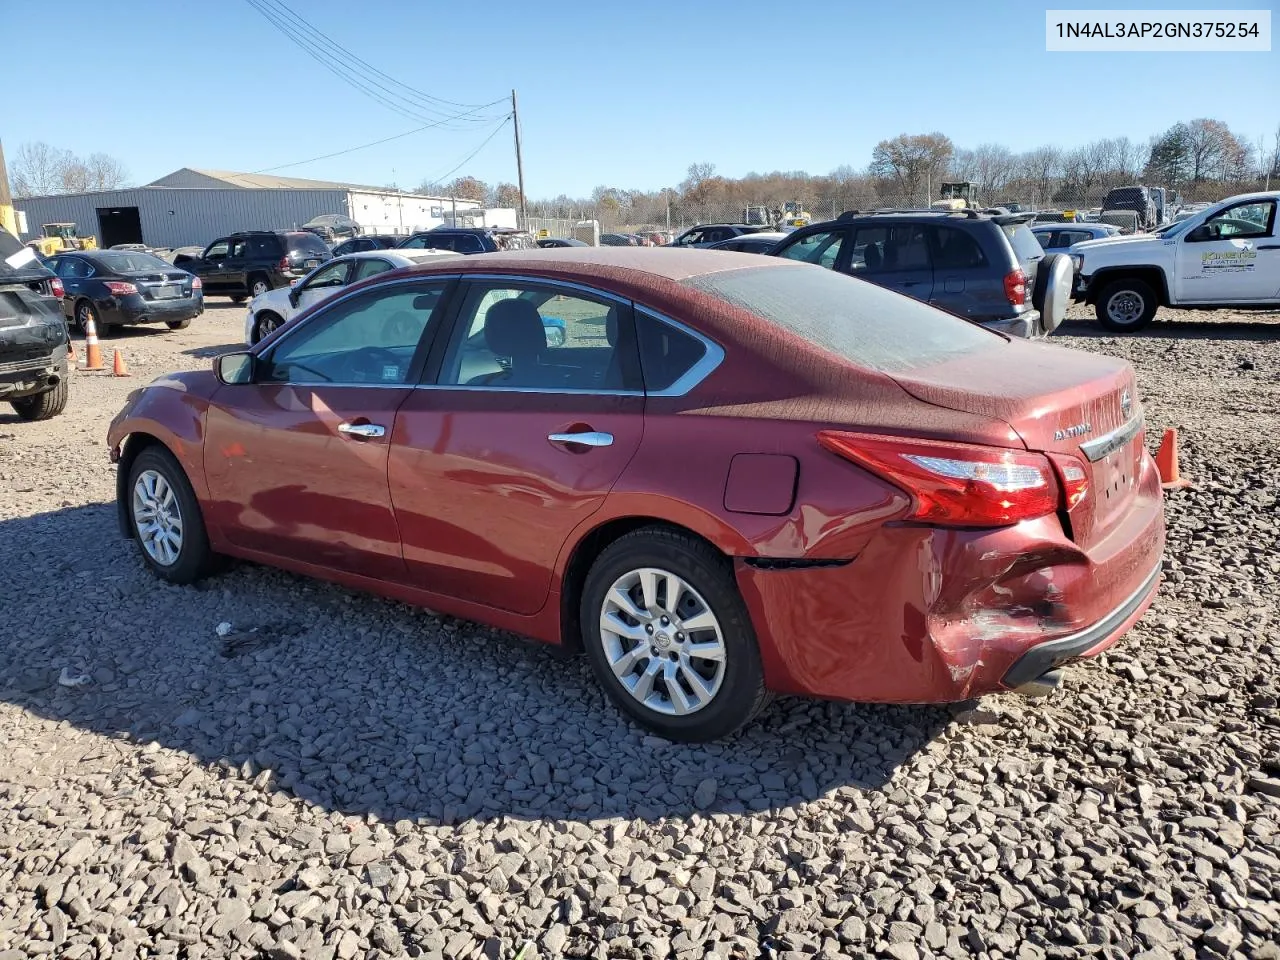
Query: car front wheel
[
  {"x": 166, "y": 518},
  {"x": 1126, "y": 306},
  {"x": 669, "y": 637}
]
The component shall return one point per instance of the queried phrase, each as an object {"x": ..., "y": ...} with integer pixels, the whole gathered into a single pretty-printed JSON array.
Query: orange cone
[
  {"x": 118, "y": 368},
  {"x": 92, "y": 352},
  {"x": 1167, "y": 462}
]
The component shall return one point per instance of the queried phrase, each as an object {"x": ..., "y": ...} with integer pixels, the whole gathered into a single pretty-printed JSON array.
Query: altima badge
[
  {"x": 1076, "y": 430},
  {"x": 1126, "y": 403}
]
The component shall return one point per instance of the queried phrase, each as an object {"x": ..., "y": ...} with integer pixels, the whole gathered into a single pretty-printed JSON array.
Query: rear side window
[
  {"x": 957, "y": 250},
  {"x": 666, "y": 354},
  {"x": 865, "y": 324},
  {"x": 1025, "y": 245},
  {"x": 307, "y": 243}
]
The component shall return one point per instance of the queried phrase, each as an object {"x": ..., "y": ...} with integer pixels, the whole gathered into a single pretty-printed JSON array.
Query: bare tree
[
  {"x": 908, "y": 162},
  {"x": 105, "y": 172},
  {"x": 1041, "y": 168},
  {"x": 36, "y": 170},
  {"x": 698, "y": 173}
]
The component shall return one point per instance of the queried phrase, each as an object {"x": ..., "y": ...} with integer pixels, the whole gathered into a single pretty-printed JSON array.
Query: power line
[
  {"x": 366, "y": 86},
  {"x": 413, "y": 92},
  {"x": 468, "y": 157}
]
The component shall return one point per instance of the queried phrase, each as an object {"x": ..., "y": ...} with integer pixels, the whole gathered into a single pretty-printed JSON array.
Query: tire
[
  {"x": 1126, "y": 306},
  {"x": 84, "y": 310},
  {"x": 267, "y": 323},
  {"x": 46, "y": 405},
  {"x": 1051, "y": 294},
  {"x": 259, "y": 284},
  {"x": 239, "y": 298},
  {"x": 732, "y": 688},
  {"x": 178, "y": 324},
  {"x": 192, "y": 558}
]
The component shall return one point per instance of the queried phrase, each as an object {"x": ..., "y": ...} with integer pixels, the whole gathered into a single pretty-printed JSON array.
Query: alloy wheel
[
  {"x": 662, "y": 641},
  {"x": 157, "y": 517},
  {"x": 260, "y": 287},
  {"x": 83, "y": 315},
  {"x": 267, "y": 326}
]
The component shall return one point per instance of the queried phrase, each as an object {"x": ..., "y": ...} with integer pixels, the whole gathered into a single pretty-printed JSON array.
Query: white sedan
[{"x": 277, "y": 307}]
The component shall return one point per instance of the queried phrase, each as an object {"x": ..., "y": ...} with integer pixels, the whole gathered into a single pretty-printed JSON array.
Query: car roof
[{"x": 639, "y": 266}]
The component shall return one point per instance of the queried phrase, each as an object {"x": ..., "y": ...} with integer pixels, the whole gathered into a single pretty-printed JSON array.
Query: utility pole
[{"x": 515, "y": 116}]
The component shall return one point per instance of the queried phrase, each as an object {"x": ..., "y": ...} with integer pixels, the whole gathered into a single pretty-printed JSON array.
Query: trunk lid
[
  {"x": 161, "y": 284},
  {"x": 1058, "y": 401}
]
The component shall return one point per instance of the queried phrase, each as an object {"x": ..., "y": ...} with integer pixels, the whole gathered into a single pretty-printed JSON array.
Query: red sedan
[{"x": 736, "y": 476}]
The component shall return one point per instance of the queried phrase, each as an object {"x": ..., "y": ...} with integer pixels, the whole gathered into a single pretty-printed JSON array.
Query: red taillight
[
  {"x": 1015, "y": 288},
  {"x": 955, "y": 484},
  {"x": 1073, "y": 476},
  {"x": 284, "y": 265},
  {"x": 56, "y": 286},
  {"x": 197, "y": 283},
  {"x": 119, "y": 288}
]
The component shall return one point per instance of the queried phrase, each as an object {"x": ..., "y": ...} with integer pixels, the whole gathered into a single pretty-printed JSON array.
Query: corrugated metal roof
[{"x": 193, "y": 177}]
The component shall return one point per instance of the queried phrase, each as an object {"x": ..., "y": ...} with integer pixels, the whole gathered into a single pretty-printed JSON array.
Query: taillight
[
  {"x": 1015, "y": 288},
  {"x": 119, "y": 288},
  {"x": 284, "y": 265},
  {"x": 197, "y": 283},
  {"x": 56, "y": 286},
  {"x": 1073, "y": 476},
  {"x": 955, "y": 484}
]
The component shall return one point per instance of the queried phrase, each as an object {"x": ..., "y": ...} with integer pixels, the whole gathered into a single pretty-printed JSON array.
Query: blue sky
[{"x": 618, "y": 94}]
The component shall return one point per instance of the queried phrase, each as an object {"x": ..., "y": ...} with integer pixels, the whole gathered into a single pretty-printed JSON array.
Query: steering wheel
[{"x": 378, "y": 358}]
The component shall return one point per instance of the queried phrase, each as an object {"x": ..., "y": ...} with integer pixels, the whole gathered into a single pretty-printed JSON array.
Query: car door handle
[
  {"x": 366, "y": 431},
  {"x": 1270, "y": 246},
  {"x": 589, "y": 438}
]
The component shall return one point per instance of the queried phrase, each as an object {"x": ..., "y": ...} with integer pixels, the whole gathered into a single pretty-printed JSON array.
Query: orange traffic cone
[
  {"x": 92, "y": 352},
  {"x": 118, "y": 368},
  {"x": 1167, "y": 462}
]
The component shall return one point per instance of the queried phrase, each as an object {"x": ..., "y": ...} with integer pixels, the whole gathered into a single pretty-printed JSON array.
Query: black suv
[
  {"x": 986, "y": 267},
  {"x": 33, "y": 335},
  {"x": 251, "y": 263},
  {"x": 469, "y": 240}
]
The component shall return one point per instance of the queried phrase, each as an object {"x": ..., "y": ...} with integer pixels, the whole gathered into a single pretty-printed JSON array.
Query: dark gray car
[{"x": 982, "y": 267}]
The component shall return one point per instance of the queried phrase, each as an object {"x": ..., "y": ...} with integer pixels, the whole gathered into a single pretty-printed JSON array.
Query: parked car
[
  {"x": 875, "y": 501},
  {"x": 248, "y": 264},
  {"x": 706, "y": 234},
  {"x": 271, "y": 310},
  {"x": 33, "y": 336},
  {"x": 468, "y": 240},
  {"x": 990, "y": 269},
  {"x": 552, "y": 242},
  {"x": 1057, "y": 238},
  {"x": 116, "y": 288},
  {"x": 1227, "y": 255},
  {"x": 332, "y": 227},
  {"x": 367, "y": 241},
  {"x": 617, "y": 240},
  {"x": 751, "y": 242}
]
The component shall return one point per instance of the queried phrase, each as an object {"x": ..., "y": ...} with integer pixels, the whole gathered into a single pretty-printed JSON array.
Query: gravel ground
[{"x": 329, "y": 781}]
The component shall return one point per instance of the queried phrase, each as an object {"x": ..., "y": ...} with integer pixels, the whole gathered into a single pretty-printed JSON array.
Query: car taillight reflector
[
  {"x": 1074, "y": 477},
  {"x": 1015, "y": 287},
  {"x": 119, "y": 288},
  {"x": 955, "y": 484},
  {"x": 284, "y": 265},
  {"x": 197, "y": 283},
  {"x": 56, "y": 286}
]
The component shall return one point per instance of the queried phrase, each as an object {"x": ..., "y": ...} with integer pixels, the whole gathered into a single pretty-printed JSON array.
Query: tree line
[{"x": 38, "y": 170}]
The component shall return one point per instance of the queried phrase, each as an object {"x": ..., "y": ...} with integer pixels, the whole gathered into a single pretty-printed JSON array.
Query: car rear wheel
[
  {"x": 238, "y": 298},
  {"x": 268, "y": 323},
  {"x": 46, "y": 405},
  {"x": 1126, "y": 306},
  {"x": 85, "y": 311},
  {"x": 669, "y": 636},
  {"x": 166, "y": 518},
  {"x": 258, "y": 285},
  {"x": 178, "y": 324}
]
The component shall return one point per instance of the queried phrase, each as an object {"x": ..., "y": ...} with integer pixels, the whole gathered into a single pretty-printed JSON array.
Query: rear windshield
[
  {"x": 308, "y": 242},
  {"x": 131, "y": 262},
  {"x": 1025, "y": 245},
  {"x": 19, "y": 262},
  {"x": 855, "y": 320}
]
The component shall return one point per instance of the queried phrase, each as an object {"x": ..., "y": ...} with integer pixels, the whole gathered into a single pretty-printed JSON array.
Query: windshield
[
  {"x": 857, "y": 321},
  {"x": 131, "y": 262},
  {"x": 1024, "y": 242},
  {"x": 1172, "y": 229}
]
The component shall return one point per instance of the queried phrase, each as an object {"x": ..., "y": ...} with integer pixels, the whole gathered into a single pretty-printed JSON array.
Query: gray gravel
[{"x": 343, "y": 777}]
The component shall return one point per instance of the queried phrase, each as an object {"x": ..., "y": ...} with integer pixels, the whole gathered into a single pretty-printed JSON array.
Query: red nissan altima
[{"x": 733, "y": 477}]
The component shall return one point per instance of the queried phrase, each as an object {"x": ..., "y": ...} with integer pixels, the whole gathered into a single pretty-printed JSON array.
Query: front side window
[
  {"x": 1045, "y": 237},
  {"x": 218, "y": 250},
  {"x": 820, "y": 248},
  {"x": 1069, "y": 237},
  {"x": 368, "y": 339},
  {"x": 330, "y": 275},
  {"x": 689, "y": 239},
  {"x": 513, "y": 336},
  {"x": 238, "y": 249},
  {"x": 468, "y": 243},
  {"x": 1243, "y": 221}
]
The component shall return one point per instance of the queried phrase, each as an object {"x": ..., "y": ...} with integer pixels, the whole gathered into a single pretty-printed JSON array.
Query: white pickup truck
[{"x": 1227, "y": 255}]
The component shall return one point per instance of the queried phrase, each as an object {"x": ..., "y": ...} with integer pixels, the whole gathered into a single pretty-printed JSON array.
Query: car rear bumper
[
  {"x": 32, "y": 375},
  {"x": 1025, "y": 325},
  {"x": 925, "y": 614},
  {"x": 136, "y": 309}
]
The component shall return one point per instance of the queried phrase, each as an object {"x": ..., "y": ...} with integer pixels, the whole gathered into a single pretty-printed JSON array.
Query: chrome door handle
[
  {"x": 365, "y": 430},
  {"x": 586, "y": 439}
]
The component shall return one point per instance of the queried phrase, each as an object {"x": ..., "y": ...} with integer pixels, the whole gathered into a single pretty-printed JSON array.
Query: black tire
[
  {"x": 194, "y": 558},
  {"x": 267, "y": 323},
  {"x": 44, "y": 406},
  {"x": 258, "y": 284},
  {"x": 1126, "y": 298},
  {"x": 239, "y": 298},
  {"x": 85, "y": 310},
  {"x": 742, "y": 694},
  {"x": 178, "y": 324}
]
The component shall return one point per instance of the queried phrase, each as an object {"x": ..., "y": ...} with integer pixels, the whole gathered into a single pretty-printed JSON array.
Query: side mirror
[
  {"x": 234, "y": 368},
  {"x": 1200, "y": 234}
]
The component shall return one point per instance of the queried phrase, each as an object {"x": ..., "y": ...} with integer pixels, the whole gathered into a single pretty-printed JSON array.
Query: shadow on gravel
[
  {"x": 367, "y": 706},
  {"x": 1266, "y": 328}
]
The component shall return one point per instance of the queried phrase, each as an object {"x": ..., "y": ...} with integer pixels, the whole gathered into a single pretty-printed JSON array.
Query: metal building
[{"x": 193, "y": 207}]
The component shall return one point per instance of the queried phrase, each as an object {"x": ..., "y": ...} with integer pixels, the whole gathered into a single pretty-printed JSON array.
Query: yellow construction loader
[{"x": 61, "y": 237}]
